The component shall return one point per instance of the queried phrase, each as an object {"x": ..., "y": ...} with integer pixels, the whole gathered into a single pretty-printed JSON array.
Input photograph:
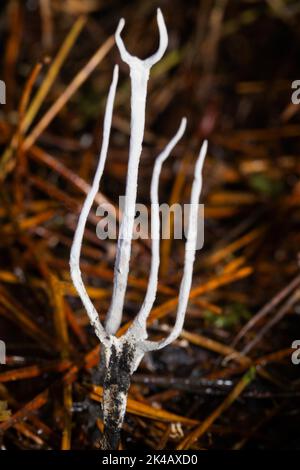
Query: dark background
[{"x": 228, "y": 68}]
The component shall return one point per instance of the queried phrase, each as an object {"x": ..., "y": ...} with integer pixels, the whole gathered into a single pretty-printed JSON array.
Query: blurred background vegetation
[{"x": 229, "y": 381}]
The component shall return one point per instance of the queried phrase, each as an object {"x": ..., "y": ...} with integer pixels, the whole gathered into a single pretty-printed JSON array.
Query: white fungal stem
[
  {"x": 87, "y": 205},
  {"x": 123, "y": 355},
  {"x": 139, "y": 74},
  {"x": 139, "y": 324},
  {"x": 190, "y": 249}
]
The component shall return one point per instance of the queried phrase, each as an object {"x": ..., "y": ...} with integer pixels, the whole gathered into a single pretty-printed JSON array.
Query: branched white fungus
[{"x": 122, "y": 355}]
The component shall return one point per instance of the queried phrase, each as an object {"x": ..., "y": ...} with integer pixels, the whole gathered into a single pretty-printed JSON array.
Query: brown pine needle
[
  {"x": 197, "y": 433},
  {"x": 41, "y": 93},
  {"x": 23, "y": 373},
  {"x": 35, "y": 404},
  {"x": 222, "y": 253},
  {"x": 214, "y": 346},
  {"x": 29, "y": 222},
  {"x": 44, "y": 157},
  {"x": 147, "y": 411},
  {"x": 78, "y": 80},
  {"x": 170, "y": 305},
  {"x": 178, "y": 185},
  {"x": 18, "y": 315},
  {"x": 53, "y": 72},
  {"x": 67, "y": 430}
]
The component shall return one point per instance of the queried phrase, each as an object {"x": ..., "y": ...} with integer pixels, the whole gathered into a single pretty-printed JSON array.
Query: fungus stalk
[{"x": 122, "y": 355}]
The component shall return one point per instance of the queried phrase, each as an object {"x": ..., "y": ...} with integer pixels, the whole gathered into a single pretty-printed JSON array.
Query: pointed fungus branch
[{"x": 122, "y": 355}]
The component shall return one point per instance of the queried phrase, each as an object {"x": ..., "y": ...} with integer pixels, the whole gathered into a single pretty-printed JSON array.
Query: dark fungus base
[{"x": 115, "y": 389}]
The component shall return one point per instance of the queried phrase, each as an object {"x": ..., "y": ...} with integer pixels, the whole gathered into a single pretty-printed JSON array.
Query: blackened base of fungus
[{"x": 115, "y": 389}]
